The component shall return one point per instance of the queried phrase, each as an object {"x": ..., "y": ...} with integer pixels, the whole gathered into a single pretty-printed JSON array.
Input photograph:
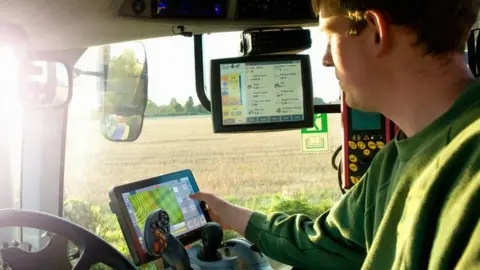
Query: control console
[
  {"x": 365, "y": 134},
  {"x": 212, "y": 254}
]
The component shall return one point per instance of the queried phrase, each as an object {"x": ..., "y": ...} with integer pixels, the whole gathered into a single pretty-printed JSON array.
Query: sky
[{"x": 171, "y": 67}]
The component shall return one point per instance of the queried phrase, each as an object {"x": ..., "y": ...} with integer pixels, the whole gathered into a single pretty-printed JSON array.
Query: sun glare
[
  {"x": 8, "y": 81},
  {"x": 11, "y": 119}
]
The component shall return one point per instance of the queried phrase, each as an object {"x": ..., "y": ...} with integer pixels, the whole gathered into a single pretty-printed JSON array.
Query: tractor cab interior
[{"x": 115, "y": 111}]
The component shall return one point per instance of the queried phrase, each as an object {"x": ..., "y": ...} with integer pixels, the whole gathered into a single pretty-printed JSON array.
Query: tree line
[
  {"x": 189, "y": 108},
  {"x": 123, "y": 71},
  {"x": 175, "y": 108}
]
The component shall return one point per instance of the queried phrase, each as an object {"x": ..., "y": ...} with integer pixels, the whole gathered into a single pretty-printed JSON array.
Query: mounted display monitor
[{"x": 260, "y": 93}]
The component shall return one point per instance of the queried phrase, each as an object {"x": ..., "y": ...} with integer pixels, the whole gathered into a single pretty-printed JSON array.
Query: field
[{"x": 230, "y": 165}]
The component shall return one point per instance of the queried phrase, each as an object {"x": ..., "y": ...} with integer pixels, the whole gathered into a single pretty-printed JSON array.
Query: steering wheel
[{"x": 92, "y": 248}]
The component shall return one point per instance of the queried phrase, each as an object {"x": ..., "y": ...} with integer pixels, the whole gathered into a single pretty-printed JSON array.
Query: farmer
[{"x": 417, "y": 205}]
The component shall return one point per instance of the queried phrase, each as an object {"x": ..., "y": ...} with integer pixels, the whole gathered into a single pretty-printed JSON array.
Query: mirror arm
[
  {"x": 327, "y": 108},
  {"x": 78, "y": 72},
  {"x": 199, "y": 72}
]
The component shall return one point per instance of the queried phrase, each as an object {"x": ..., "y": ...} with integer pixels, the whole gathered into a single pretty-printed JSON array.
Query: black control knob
[
  {"x": 212, "y": 237},
  {"x": 162, "y": 222},
  {"x": 161, "y": 243}
]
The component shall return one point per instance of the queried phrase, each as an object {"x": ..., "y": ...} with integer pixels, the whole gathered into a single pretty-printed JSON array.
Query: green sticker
[
  {"x": 320, "y": 124},
  {"x": 315, "y": 139}
]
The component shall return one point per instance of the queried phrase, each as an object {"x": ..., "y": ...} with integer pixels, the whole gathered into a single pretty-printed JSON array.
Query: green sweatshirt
[{"x": 417, "y": 207}]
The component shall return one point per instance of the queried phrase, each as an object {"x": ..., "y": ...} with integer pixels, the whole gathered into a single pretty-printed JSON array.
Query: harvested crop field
[{"x": 229, "y": 165}]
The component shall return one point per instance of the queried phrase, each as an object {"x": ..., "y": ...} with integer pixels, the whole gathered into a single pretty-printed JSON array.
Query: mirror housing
[{"x": 125, "y": 91}]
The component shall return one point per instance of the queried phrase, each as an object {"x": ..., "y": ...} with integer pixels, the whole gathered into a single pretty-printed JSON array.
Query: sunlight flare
[{"x": 8, "y": 81}]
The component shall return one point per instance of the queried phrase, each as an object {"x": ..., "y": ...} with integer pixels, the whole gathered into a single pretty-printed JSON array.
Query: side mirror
[
  {"x": 125, "y": 92},
  {"x": 44, "y": 84}
]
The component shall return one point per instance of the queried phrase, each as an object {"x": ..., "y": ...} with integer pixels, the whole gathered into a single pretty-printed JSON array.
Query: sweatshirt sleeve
[{"x": 334, "y": 240}]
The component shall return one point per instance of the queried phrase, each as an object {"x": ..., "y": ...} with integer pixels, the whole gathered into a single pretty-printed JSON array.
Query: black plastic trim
[
  {"x": 327, "y": 108},
  {"x": 199, "y": 72}
]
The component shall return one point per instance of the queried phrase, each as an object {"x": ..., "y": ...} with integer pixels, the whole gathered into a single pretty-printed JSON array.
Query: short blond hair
[
  {"x": 333, "y": 8},
  {"x": 423, "y": 17},
  {"x": 327, "y": 7}
]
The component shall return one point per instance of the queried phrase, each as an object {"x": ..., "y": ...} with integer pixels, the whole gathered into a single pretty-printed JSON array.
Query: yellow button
[
  {"x": 352, "y": 145},
  {"x": 361, "y": 145},
  {"x": 380, "y": 144},
  {"x": 353, "y": 167},
  {"x": 353, "y": 158},
  {"x": 354, "y": 180},
  {"x": 367, "y": 152},
  {"x": 372, "y": 145}
]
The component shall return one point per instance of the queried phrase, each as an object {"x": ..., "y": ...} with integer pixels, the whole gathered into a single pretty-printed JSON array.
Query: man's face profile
[{"x": 349, "y": 56}]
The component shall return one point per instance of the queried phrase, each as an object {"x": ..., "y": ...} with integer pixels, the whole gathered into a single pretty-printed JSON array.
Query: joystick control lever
[
  {"x": 161, "y": 243},
  {"x": 212, "y": 236}
]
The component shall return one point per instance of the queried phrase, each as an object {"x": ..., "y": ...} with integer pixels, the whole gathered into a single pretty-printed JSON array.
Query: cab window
[{"x": 263, "y": 171}]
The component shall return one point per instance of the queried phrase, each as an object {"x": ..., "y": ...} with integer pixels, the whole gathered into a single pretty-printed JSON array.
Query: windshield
[{"x": 264, "y": 171}]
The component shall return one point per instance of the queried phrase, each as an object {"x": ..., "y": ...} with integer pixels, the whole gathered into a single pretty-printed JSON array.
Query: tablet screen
[{"x": 173, "y": 196}]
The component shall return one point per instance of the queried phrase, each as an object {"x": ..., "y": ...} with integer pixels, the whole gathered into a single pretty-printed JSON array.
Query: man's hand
[{"x": 229, "y": 216}]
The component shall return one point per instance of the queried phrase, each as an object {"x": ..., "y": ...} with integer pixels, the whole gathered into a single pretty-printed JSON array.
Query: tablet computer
[{"x": 133, "y": 202}]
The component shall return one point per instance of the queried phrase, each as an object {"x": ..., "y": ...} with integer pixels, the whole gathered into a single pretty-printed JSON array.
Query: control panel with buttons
[
  {"x": 362, "y": 147},
  {"x": 365, "y": 134}
]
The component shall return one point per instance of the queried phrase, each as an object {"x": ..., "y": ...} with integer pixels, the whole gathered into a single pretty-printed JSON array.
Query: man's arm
[
  {"x": 334, "y": 240},
  {"x": 229, "y": 216}
]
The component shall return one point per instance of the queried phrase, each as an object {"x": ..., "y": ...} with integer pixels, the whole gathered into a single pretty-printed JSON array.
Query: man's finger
[
  {"x": 200, "y": 196},
  {"x": 195, "y": 196}
]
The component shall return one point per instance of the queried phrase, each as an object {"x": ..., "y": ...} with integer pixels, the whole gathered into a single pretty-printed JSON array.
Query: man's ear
[{"x": 377, "y": 21}]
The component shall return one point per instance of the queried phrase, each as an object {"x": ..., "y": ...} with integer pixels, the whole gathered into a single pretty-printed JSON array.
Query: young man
[{"x": 417, "y": 206}]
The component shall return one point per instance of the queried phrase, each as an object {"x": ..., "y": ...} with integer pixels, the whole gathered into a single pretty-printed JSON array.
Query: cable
[
  {"x": 334, "y": 157},
  {"x": 339, "y": 175},
  {"x": 339, "y": 168}
]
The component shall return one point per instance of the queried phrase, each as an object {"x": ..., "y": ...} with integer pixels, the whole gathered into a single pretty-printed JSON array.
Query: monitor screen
[
  {"x": 173, "y": 197},
  {"x": 265, "y": 92},
  {"x": 260, "y": 92},
  {"x": 361, "y": 120}
]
